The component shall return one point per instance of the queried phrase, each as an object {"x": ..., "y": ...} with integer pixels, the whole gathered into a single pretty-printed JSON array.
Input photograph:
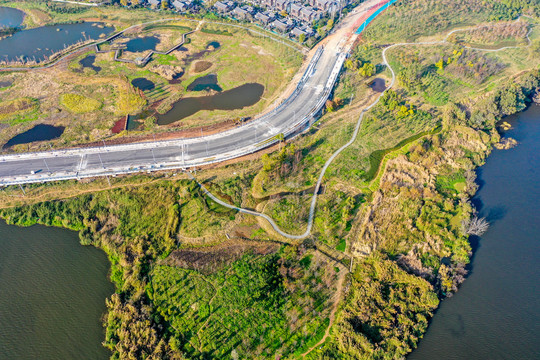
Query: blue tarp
[{"x": 373, "y": 16}]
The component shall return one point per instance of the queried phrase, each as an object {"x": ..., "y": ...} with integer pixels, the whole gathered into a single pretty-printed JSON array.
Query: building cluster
[
  {"x": 178, "y": 5},
  {"x": 285, "y": 16},
  {"x": 292, "y": 17}
]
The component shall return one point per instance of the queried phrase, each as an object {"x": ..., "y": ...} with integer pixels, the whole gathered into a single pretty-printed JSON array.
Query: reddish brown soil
[
  {"x": 175, "y": 134},
  {"x": 119, "y": 126}
]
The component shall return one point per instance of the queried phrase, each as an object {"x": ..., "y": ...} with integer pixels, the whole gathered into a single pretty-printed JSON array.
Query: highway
[{"x": 294, "y": 115}]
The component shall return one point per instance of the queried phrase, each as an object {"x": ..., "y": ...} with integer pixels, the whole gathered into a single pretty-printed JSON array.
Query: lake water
[
  {"x": 10, "y": 17},
  {"x": 496, "y": 313},
  {"x": 44, "y": 41},
  {"x": 237, "y": 98},
  {"x": 52, "y": 295}
]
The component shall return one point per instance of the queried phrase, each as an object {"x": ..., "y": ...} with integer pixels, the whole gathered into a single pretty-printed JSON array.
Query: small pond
[
  {"x": 143, "y": 84},
  {"x": 205, "y": 83},
  {"x": 39, "y": 132},
  {"x": 237, "y": 98},
  {"x": 5, "y": 84},
  {"x": 378, "y": 85},
  {"x": 142, "y": 44},
  {"x": 88, "y": 62},
  {"x": 40, "y": 43},
  {"x": 211, "y": 46},
  {"x": 10, "y": 17}
]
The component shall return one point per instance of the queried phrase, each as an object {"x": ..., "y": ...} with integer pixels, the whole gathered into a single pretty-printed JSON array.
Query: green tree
[
  {"x": 280, "y": 137},
  {"x": 165, "y": 4},
  {"x": 302, "y": 38}
]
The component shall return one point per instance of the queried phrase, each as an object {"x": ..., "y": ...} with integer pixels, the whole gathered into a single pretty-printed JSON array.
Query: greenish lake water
[
  {"x": 52, "y": 295},
  {"x": 496, "y": 313}
]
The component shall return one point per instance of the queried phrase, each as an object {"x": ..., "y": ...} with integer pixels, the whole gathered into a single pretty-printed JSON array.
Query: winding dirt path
[{"x": 338, "y": 295}]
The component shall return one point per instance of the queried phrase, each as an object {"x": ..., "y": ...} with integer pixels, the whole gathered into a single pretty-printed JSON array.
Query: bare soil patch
[
  {"x": 212, "y": 259},
  {"x": 201, "y": 66}
]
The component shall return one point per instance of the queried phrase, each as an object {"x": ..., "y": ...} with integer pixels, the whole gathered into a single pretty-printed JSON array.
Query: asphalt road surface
[{"x": 295, "y": 114}]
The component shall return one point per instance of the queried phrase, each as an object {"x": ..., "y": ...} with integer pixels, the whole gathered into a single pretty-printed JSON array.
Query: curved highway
[{"x": 294, "y": 115}]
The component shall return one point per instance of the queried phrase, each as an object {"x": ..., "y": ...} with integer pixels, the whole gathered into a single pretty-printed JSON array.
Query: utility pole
[
  {"x": 101, "y": 161},
  {"x": 183, "y": 159},
  {"x": 152, "y": 150},
  {"x": 24, "y": 192}
]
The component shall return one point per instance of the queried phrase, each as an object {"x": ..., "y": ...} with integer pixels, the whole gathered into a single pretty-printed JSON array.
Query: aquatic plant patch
[{"x": 79, "y": 104}]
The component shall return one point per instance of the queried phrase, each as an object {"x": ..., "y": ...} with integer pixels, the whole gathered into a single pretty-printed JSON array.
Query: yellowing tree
[{"x": 367, "y": 70}]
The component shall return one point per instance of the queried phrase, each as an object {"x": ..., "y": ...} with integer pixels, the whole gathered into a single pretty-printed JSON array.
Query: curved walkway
[{"x": 353, "y": 138}]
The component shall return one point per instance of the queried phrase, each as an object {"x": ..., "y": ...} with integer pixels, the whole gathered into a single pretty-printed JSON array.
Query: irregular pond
[
  {"x": 142, "y": 44},
  {"x": 10, "y": 17},
  {"x": 88, "y": 62},
  {"x": 5, "y": 84},
  {"x": 39, "y": 132},
  {"x": 237, "y": 98},
  {"x": 143, "y": 84},
  {"x": 378, "y": 85},
  {"x": 206, "y": 83},
  {"x": 42, "y": 42},
  {"x": 53, "y": 295},
  {"x": 211, "y": 46}
]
